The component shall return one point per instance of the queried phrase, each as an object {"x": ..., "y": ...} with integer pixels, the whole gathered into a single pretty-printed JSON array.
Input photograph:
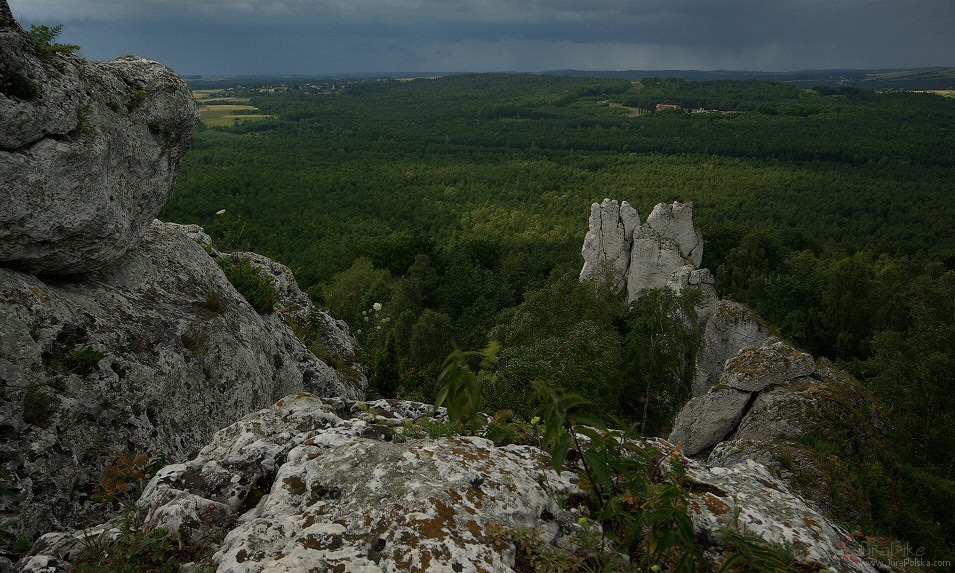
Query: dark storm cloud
[{"x": 334, "y": 36}]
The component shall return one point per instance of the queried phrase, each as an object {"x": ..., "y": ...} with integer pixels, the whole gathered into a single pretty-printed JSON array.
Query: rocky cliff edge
[{"x": 120, "y": 336}]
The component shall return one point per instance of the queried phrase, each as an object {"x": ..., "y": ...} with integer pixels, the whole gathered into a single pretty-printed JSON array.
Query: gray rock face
[
  {"x": 773, "y": 362},
  {"x": 708, "y": 419},
  {"x": 666, "y": 251},
  {"x": 675, "y": 222},
  {"x": 711, "y": 418},
  {"x": 731, "y": 328},
  {"x": 152, "y": 354},
  {"x": 89, "y": 153},
  {"x": 608, "y": 241},
  {"x": 339, "y": 496}
]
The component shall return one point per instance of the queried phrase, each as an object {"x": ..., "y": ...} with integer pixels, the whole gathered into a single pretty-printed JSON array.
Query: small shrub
[
  {"x": 155, "y": 551},
  {"x": 37, "y": 406},
  {"x": 84, "y": 362},
  {"x": 214, "y": 302},
  {"x": 122, "y": 479},
  {"x": 22, "y": 544},
  {"x": 257, "y": 288},
  {"x": 463, "y": 388},
  {"x": 43, "y": 37}
]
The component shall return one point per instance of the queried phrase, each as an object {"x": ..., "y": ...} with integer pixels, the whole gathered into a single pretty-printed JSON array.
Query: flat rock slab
[{"x": 771, "y": 363}]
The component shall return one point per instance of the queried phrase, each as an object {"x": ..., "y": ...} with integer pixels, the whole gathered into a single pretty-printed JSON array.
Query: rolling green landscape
[{"x": 449, "y": 212}]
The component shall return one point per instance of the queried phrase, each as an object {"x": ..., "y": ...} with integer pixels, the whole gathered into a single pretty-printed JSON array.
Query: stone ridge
[
  {"x": 330, "y": 485},
  {"x": 89, "y": 153}
]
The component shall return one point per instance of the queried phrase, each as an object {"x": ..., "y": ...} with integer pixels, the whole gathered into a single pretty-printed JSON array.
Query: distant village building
[{"x": 663, "y": 106}]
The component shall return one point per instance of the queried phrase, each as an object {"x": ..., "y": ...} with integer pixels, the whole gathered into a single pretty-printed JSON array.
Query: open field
[{"x": 226, "y": 111}]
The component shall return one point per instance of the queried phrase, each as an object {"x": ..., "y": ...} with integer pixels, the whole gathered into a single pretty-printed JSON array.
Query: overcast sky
[{"x": 342, "y": 36}]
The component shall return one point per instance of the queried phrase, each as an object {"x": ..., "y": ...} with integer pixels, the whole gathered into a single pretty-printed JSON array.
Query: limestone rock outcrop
[
  {"x": 730, "y": 329},
  {"x": 89, "y": 153},
  {"x": 152, "y": 354},
  {"x": 331, "y": 485},
  {"x": 609, "y": 240},
  {"x": 120, "y": 334},
  {"x": 666, "y": 251},
  {"x": 775, "y": 405},
  {"x": 711, "y": 418}
]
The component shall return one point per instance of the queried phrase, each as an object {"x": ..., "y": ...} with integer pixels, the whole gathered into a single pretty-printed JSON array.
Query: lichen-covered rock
[
  {"x": 152, "y": 354},
  {"x": 331, "y": 485},
  {"x": 748, "y": 497},
  {"x": 708, "y": 419},
  {"x": 89, "y": 153},
  {"x": 771, "y": 363},
  {"x": 731, "y": 328},
  {"x": 608, "y": 241}
]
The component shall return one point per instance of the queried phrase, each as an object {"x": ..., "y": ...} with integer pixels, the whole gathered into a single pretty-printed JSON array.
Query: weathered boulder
[
  {"x": 772, "y": 363},
  {"x": 331, "y": 485},
  {"x": 89, "y": 153},
  {"x": 152, "y": 354},
  {"x": 731, "y": 328},
  {"x": 608, "y": 241},
  {"x": 708, "y": 419},
  {"x": 807, "y": 422}
]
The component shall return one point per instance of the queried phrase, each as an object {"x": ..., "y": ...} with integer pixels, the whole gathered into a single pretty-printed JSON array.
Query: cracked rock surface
[
  {"x": 327, "y": 485},
  {"x": 89, "y": 153},
  {"x": 152, "y": 354}
]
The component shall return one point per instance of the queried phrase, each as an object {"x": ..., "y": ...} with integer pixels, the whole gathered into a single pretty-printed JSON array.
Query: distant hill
[{"x": 913, "y": 79}]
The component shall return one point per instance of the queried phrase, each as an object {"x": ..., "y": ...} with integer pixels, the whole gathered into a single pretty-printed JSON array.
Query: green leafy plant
[
  {"x": 463, "y": 387},
  {"x": 153, "y": 550},
  {"x": 84, "y": 361},
  {"x": 43, "y": 43},
  {"x": 257, "y": 288}
]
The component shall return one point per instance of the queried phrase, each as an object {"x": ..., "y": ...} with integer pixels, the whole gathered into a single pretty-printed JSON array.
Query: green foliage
[
  {"x": 386, "y": 378},
  {"x": 660, "y": 348},
  {"x": 43, "y": 37},
  {"x": 22, "y": 544},
  {"x": 257, "y": 288},
  {"x": 463, "y": 388},
  {"x": 84, "y": 361},
  {"x": 37, "y": 406},
  {"x": 152, "y": 551},
  {"x": 748, "y": 552},
  {"x": 638, "y": 497}
]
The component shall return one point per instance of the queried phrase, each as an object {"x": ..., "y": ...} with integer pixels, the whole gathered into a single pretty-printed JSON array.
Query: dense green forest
[{"x": 459, "y": 205}]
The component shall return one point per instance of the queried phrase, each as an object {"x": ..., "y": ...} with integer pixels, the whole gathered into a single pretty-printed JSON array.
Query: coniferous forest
[{"x": 449, "y": 212}]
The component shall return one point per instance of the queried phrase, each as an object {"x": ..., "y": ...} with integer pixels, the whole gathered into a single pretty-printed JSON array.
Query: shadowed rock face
[
  {"x": 172, "y": 354},
  {"x": 89, "y": 153}
]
